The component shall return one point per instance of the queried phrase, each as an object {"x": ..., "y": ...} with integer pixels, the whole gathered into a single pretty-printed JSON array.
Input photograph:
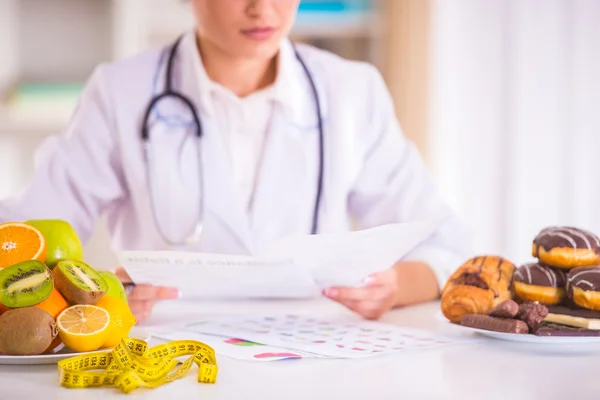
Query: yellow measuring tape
[{"x": 131, "y": 364}]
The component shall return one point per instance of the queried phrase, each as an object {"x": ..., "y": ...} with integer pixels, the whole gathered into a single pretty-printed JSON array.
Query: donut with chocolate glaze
[
  {"x": 566, "y": 247},
  {"x": 536, "y": 282},
  {"x": 583, "y": 286}
]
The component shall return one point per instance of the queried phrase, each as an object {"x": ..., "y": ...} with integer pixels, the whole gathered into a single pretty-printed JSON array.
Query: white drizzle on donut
[
  {"x": 549, "y": 232},
  {"x": 596, "y": 238},
  {"x": 584, "y": 282},
  {"x": 519, "y": 273},
  {"x": 568, "y": 234},
  {"x": 587, "y": 271},
  {"x": 581, "y": 235},
  {"x": 550, "y": 275}
]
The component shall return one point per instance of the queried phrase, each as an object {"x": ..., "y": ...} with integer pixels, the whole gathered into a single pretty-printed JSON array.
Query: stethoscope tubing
[{"x": 169, "y": 92}]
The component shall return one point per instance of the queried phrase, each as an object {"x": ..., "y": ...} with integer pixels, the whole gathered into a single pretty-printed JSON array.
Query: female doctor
[{"x": 233, "y": 137}]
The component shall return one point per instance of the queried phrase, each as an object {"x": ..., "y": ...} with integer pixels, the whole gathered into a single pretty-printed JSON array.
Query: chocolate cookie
[
  {"x": 550, "y": 329},
  {"x": 506, "y": 309},
  {"x": 488, "y": 323},
  {"x": 532, "y": 314},
  {"x": 574, "y": 312},
  {"x": 583, "y": 285},
  {"x": 537, "y": 282},
  {"x": 566, "y": 247}
]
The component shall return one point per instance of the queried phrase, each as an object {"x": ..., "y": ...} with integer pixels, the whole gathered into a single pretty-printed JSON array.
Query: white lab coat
[{"x": 372, "y": 174}]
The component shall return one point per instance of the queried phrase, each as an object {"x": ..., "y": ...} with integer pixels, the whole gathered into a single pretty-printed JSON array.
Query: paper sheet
[
  {"x": 296, "y": 267},
  {"x": 235, "y": 348},
  {"x": 346, "y": 259},
  {"x": 201, "y": 275},
  {"x": 338, "y": 337}
]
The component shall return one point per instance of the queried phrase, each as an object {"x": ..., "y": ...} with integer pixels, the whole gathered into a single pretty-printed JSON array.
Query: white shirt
[
  {"x": 244, "y": 124},
  {"x": 372, "y": 175}
]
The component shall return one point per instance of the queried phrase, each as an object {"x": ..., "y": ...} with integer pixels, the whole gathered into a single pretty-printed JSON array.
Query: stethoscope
[{"x": 169, "y": 92}]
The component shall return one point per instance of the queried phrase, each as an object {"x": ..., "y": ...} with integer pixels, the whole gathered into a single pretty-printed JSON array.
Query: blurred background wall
[{"x": 500, "y": 96}]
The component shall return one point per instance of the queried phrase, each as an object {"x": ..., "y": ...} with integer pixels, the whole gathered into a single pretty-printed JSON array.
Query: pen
[{"x": 129, "y": 286}]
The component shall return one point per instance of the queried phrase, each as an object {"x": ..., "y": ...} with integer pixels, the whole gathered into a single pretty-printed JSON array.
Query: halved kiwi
[
  {"x": 78, "y": 282},
  {"x": 25, "y": 284}
]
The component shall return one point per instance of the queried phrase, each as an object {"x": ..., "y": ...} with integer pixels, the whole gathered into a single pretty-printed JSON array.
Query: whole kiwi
[{"x": 26, "y": 331}]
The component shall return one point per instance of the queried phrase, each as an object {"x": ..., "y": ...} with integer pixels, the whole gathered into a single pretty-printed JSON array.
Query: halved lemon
[{"x": 83, "y": 327}]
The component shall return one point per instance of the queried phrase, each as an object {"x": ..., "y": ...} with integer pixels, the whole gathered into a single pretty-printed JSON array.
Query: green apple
[
  {"x": 62, "y": 242},
  {"x": 115, "y": 287}
]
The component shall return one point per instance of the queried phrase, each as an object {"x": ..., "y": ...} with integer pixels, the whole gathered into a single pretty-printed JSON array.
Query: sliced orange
[
  {"x": 54, "y": 304},
  {"x": 20, "y": 242},
  {"x": 83, "y": 327}
]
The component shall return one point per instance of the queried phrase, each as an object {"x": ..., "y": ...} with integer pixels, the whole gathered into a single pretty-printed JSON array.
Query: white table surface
[{"x": 489, "y": 369}]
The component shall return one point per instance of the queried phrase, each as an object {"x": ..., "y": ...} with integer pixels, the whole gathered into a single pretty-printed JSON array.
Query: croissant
[{"x": 477, "y": 286}]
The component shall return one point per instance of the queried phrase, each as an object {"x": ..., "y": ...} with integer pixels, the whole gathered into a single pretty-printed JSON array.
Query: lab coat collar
[
  {"x": 285, "y": 91},
  {"x": 288, "y": 89}
]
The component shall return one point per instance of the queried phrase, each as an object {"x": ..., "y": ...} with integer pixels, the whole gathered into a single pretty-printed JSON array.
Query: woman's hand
[
  {"x": 404, "y": 284},
  {"x": 371, "y": 301},
  {"x": 143, "y": 297}
]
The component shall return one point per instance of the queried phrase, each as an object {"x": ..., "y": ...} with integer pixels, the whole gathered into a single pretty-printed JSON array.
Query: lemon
[
  {"x": 83, "y": 327},
  {"x": 121, "y": 319}
]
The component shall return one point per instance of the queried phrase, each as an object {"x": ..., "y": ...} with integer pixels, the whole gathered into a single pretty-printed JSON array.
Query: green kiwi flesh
[
  {"x": 25, "y": 284},
  {"x": 78, "y": 282},
  {"x": 26, "y": 331}
]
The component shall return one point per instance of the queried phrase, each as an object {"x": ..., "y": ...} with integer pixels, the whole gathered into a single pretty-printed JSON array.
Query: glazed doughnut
[
  {"x": 535, "y": 282},
  {"x": 583, "y": 285},
  {"x": 566, "y": 247}
]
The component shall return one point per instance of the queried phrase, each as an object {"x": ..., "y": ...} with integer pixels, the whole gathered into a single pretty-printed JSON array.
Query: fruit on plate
[
  {"x": 26, "y": 331},
  {"x": 83, "y": 327},
  {"x": 20, "y": 242},
  {"x": 62, "y": 241},
  {"x": 54, "y": 304},
  {"x": 115, "y": 286},
  {"x": 121, "y": 319},
  {"x": 25, "y": 284},
  {"x": 55, "y": 343},
  {"x": 78, "y": 282}
]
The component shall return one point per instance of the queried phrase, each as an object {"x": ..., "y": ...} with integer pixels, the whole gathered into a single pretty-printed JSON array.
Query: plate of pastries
[{"x": 555, "y": 298}]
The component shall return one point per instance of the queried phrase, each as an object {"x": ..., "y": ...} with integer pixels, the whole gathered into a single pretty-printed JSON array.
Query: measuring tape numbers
[{"x": 132, "y": 364}]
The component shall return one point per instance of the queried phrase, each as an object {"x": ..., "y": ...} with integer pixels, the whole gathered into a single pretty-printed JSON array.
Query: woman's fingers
[
  {"x": 123, "y": 275},
  {"x": 370, "y": 301},
  {"x": 344, "y": 294},
  {"x": 143, "y": 297},
  {"x": 141, "y": 309},
  {"x": 154, "y": 293}
]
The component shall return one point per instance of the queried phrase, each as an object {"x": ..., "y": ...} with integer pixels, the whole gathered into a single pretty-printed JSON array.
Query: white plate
[
  {"x": 529, "y": 338},
  {"x": 60, "y": 354}
]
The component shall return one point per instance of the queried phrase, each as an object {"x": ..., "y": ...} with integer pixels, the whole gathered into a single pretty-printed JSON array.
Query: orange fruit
[
  {"x": 54, "y": 304},
  {"x": 20, "y": 242}
]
